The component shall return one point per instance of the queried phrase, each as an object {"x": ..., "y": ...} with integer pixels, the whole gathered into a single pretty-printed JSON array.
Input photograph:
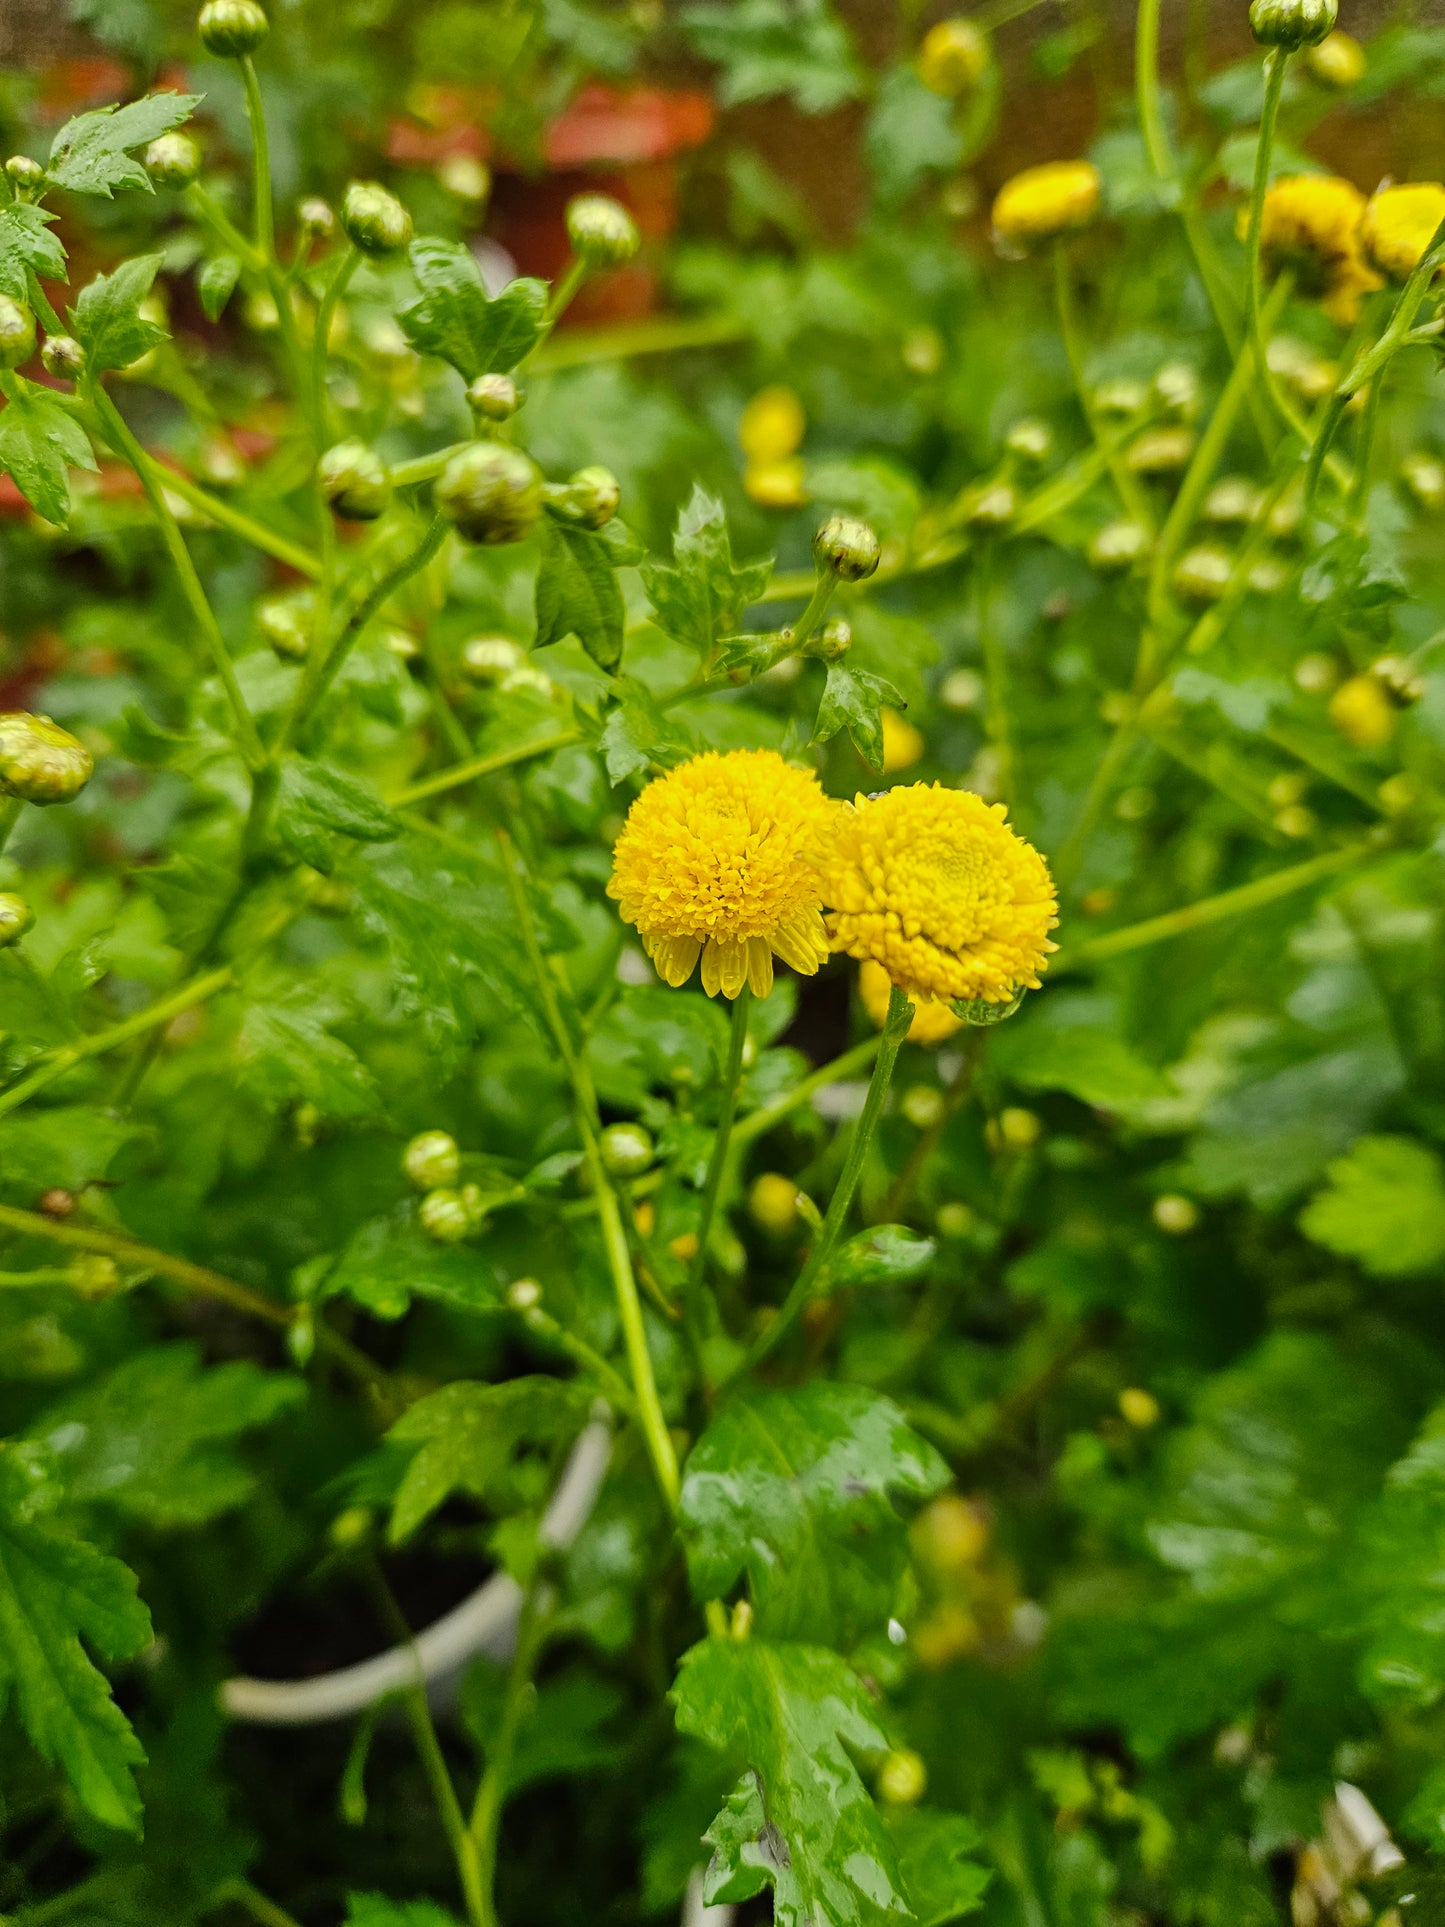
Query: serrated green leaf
[
  {"x": 799, "y": 1490},
  {"x": 851, "y": 700},
  {"x": 390, "y": 1260},
  {"x": 27, "y": 247},
  {"x": 90, "y": 154},
  {"x": 216, "y": 283},
  {"x": 563, "y": 1729},
  {"x": 639, "y": 731},
  {"x": 40, "y": 440},
  {"x": 106, "y": 318},
  {"x": 578, "y": 593},
  {"x": 456, "y": 320},
  {"x": 473, "y": 1438},
  {"x": 1402, "y": 1557},
  {"x": 285, "y": 1051},
  {"x": 889, "y": 1254},
  {"x": 1384, "y": 1206},
  {"x": 941, "y": 1882},
  {"x": 701, "y": 597},
  {"x": 800, "y": 1820},
  {"x": 154, "y": 1439},
  {"x": 771, "y": 47},
  {"x": 315, "y": 803},
  {"x": 59, "y": 1596},
  {"x": 71, "y": 1146},
  {"x": 375, "y": 1910}
]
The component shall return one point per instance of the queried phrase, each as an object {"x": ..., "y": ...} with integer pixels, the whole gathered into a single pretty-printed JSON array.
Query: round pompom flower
[
  {"x": 1399, "y": 224},
  {"x": 934, "y": 885},
  {"x": 719, "y": 860},
  {"x": 933, "y": 1022},
  {"x": 1311, "y": 222}
]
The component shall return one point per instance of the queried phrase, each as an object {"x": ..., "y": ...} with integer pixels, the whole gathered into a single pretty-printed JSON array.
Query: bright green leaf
[
  {"x": 39, "y": 441},
  {"x": 107, "y": 318},
  {"x": 1384, "y": 1206},
  {"x": 474, "y": 1438},
  {"x": 578, "y": 594},
  {"x": 90, "y": 154}
]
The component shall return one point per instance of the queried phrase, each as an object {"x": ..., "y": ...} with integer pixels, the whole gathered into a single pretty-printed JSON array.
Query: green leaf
[
  {"x": 90, "y": 154},
  {"x": 1384, "y": 1206},
  {"x": 315, "y": 802},
  {"x": 474, "y": 1438},
  {"x": 456, "y": 321},
  {"x": 375, "y": 1910},
  {"x": 701, "y": 598},
  {"x": 852, "y": 699},
  {"x": 1402, "y": 1558},
  {"x": 771, "y": 47},
  {"x": 639, "y": 731},
  {"x": 940, "y": 1880},
  {"x": 889, "y": 1254},
  {"x": 59, "y": 1596},
  {"x": 912, "y": 133},
  {"x": 389, "y": 1260},
  {"x": 798, "y": 1490},
  {"x": 800, "y": 1820},
  {"x": 71, "y": 1146},
  {"x": 27, "y": 247},
  {"x": 216, "y": 283},
  {"x": 562, "y": 1732},
  {"x": 107, "y": 320},
  {"x": 154, "y": 1439},
  {"x": 577, "y": 593},
  {"x": 39, "y": 440},
  {"x": 1069, "y": 1041},
  {"x": 285, "y": 1051}
]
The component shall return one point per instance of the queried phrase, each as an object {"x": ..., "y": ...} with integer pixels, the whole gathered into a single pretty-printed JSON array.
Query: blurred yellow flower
[
  {"x": 903, "y": 745},
  {"x": 1336, "y": 61},
  {"x": 719, "y": 859},
  {"x": 1362, "y": 713},
  {"x": 1311, "y": 223},
  {"x": 772, "y": 425},
  {"x": 1398, "y": 225},
  {"x": 777, "y": 485},
  {"x": 932, "y": 884},
  {"x": 952, "y": 57},
  {"x": 1045, "y": 201},
  {"x": 933, "y": 1022}
]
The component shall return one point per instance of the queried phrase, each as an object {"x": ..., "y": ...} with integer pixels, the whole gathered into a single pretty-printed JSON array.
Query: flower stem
[
  {"x": 551, "y": 1331},
  {"x": 895, "y": 1029},
  {"x": 995, "y": 662},
  {"x": 716, "y": 1165},
  {"x": 241, "y": 1893},
  {"x": 614, "y": 1238},
  {"x": 1130, "y": 489},
  {"x": 817, "y": 607},
  {"x": 320, "y": 340},
  {"x": 476, "y": 766},
  {"x": 485, "y": 1823},
  {"x": 927, "y": 1142}
]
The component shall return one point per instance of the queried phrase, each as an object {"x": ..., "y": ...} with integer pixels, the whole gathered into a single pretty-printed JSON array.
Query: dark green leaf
[
  {"x": 562, "y": 1732},
  {"x": 475, "y": 1438},
  {"x": 155, "y": 1437},
  {"x": 1067, "y": 1042},
  {"x": 640, "y": 732},
  {"x": 941, "y": 1882},
  {"x": 107, "y": 320},
  {"x": 375, "y": 1910},
  {"x": 90, "y": 154},
  {"x": 72, "y": 1146},
  {"x": 890, "y": 1254},
  {"x": 852, "y": 699},
  {"x": 798, "y": 1490},
  {"x": 284, "y": 1051},
  {"x": 58, "y": 1596},
  {"x": 578, "y": 595},
  {"x": 800, "y": 1821},
  {"x": 390, "y": 1260},
  {"x": 39, "y": 440},
  {"x": 216, "y": 283},
  {"x": 702, "y": 596},
  {"x": 315, "y": 803},
  {"x": 456, "y": 321},
  {"x": 27, "y": 247}
]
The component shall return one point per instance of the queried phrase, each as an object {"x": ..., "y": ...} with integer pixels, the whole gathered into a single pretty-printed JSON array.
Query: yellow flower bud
[
  {"x": 777, "y": 485},
  {"x": 771, "y": 425},
  {"x": 1139, "y": 1408},
  {"x": 1175, "y": 1214},
  {"x": 1362, "y": 713},
  {"x": 773, "y": 1203},
  {"x": 903, "y": 745},
  {"x": 1042, "y": 202},
  {"x": 952, "y": 58},
  {"x": 1336, "y": 61},
  {"x": 902, "y": 1778}
]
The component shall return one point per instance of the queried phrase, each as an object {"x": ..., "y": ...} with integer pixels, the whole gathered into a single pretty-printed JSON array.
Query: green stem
[
  {"x": 551, "y": 1331},
  {"x": 895, "y": 1029},
  {"x": 1130, "y": 489},
  {"x": 817, "y": 607},
  {"x": 124, "y": 442},
  {"x": 47, "y": 1275},
  {"x": 68, "y": 1055},
  {"x": 758, "y": 1123},
  {"x": 1146, "y": 91},
  {"x": 663, "y": 335},
  {"x": 241, "y": 1893},
  {"x": 10, "y": 808},
  {"x": 234, "y": 519},
  {"x": 619, "y": 1259},
  {"x": 995, "y": 662},
  {"x": 1076, "y": 843},
  {"x": 224, "y": 229},
  {"x": 320, "y": 351},
  {"x": 716, "y": 1165},
  {"x": 927, "y": 1142},
  {"x": 1275, "y": 64},
  {"x": 486, "y": 1821},
  {"x": 560, "y": 299},
  {"x": 477, "y": 766},
  {"x": 265, "y": 225}
]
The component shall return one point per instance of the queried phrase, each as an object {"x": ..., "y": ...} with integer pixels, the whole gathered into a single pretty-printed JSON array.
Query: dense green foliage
[{"x": 1082, "y": 1525}]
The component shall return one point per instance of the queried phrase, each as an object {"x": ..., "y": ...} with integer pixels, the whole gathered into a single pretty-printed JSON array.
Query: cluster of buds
[
  {"x": 447, "y": 1213},
  {"x": 588, "y": 500}
]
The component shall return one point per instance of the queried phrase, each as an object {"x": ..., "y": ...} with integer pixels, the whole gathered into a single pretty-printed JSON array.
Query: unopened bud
[
  {"x": 39, "y": 761},
  {"x": 17, "y": 333},
  {"x": 63, "y": 357},
  {"x": 57, "y": 1202},
  {"x": 1362, "y": 712},
  {"x": 26, "y": 176},
  {"x": 432, "y": 1160},
  {"x": 445, "y": 1217},
  {"x": 923, "y": 1106},
  {"x": 1139, "y": 1408},
  {"x": 1160, "y": 451},
  {"x": 355, "y": 481},
  {"x": 1202, "y": 574},
  {"x": 493, "y": 493},
  {"x": 993, "y": 506},
  {"x": 954, "y": 1220},
  {"x": 317, "y": 217},
  {"x": 93, "y": 1275},
  {"x": 1177, "y": 386},
  {"x": 490, "y": 658},
  {"x": 902, "y": 1778},
  {"x": 1175, "y": 1213},
  {"x": 351, "y": 1528},
  {"x": 1292, "y": 23},
  {"x": 1336, "y": 61},
  {"x": 847, "y": 548},
  {"x": 1400, "y": 677},
  {"x": 1030, "y": 439},
  {"x": 773, "y": 1203},
  {"x": 627, "y": 1149},
  {"x": 375, "y": 221},
  {"x": 832, "y": 642},
  {"x": 16, "y": 917},
  {"x": 231, "y": 29},
  {"x": 602, "y": 232},
  {"x": 173, "y": 159},
  {"x": 1119, "y": 545},
  {"x": 1015, "y": 1129},
  {"x": 953, "y": 57},
  {"x": 282, "y": 620},
  {"x": 589, "y": 499},
  {"x": 493, "y": 397},
  {"x": 524, "y": 1294}
]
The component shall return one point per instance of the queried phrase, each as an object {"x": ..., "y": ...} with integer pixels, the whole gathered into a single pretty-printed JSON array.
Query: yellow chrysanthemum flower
[
  {"x": 1311, "y": 223},
  {"x": 1398, "y": 225},
  {"x": 933, "y": 1022},
  {"x": 1044, "y": 201},
  {"x": 771, "y": 426},
  {"x": 777, "y": 485},
  {"x": 953, "y": 57},
  {"x": 932, "y": 884},
  {"x": 903, "y": 744},
  {"x": 719, "y": 860},
  {"x": 1336, "y": 61}
]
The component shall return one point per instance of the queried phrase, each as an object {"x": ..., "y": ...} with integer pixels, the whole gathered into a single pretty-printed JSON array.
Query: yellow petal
[
  {"x": 711, "y": 968},
  {"x": 674, "y": 958},
  {"x": 802, "y": 942},
  {"x": 760, "y": 966},
  {"x": 732, "y": 959}
]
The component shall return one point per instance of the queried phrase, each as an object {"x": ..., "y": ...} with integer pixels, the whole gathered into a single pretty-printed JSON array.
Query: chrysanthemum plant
[{"x": 400, "y": 877}]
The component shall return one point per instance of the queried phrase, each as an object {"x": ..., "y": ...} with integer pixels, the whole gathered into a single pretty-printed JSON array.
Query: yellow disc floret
[
  {"x": 719, "y": 859},
  {"x": 932, "y": 884},
  {"x": 1044, "y": 201},
  {"x": 933, "y": 1022},
  {"x": 1399, "y": 224},
  {"x": 1311, "y": 223}
]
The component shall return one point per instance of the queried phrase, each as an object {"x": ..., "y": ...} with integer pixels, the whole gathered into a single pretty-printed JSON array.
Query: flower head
[
  {"x": 933, "y": 1022},
  {"x": 1045, "y": 201},
  {"x": 932, "y": 884},
  {"x": 1398, "y": 225},
  {"x": 719, "y": 860},
  {"x": 1311, "y": 222}
]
